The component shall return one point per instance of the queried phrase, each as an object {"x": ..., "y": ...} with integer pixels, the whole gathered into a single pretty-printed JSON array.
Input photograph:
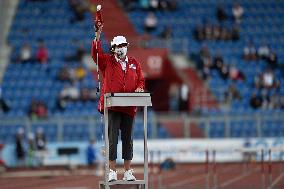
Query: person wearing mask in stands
[{"x": 122, "y": 74}]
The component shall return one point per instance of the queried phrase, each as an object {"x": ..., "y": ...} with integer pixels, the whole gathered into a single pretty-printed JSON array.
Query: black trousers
[{"x": 123, "y": 122}]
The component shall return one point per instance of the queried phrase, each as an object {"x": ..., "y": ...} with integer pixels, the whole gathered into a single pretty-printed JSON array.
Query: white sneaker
[
  {"x": 112, "y": 176},
  {"x": 128, "y": 175}
]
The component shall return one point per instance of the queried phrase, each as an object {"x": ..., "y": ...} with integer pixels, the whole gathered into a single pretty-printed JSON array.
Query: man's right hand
[{"x": 98, "y": 32}]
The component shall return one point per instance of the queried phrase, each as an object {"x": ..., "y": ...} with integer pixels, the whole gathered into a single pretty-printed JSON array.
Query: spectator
[
  {"x": 255, "y": 101},
  {"x": 172, "y": 5},
  {"x": 154, "y": 5},
  {"x": 4, "y": 106},
  {"x": 42, "y": 53},
  {"x": 164, "y": 5},
  {"x": 217, "y": 32},
  {"x": 37, "y": 110},
  {"x": 235, "y": 35},
  {"x": 232, "y": 94},
  {"x": 224, "y": 73},
  {"x": 272, "y": 60},
  {"x": 79, "y": 8},
  {"x": 208, "y": 31},
  {"x": 221, "y": 14},
  {"x": 199, "y": 33},
  {"x": 69, "y": 92},
  {"x": 168, "y": 164},
  {"x": 263, "y": 51},
  {"x": 249, "y": 52},
  {"x": 20, "y": 147},
  {"x": 150, "y": 23},
  {"x": 40, "y": 141},
  {"x": 236, "y": 74},
  {"x": 85, "y": 94},
  {"x": 184, "y": 98},
  {"x": 268, "y": 80},
  {"x": 64, "y": 74},
  {"x": 173, "y": 97},
  {"x": 80, "y": 73},
  {"x": 31, "y": 150},
  {"x": 238, "y": 12},
  {"x": 266, "y": 102},
  {"x": 91, "y": 153},
  {"x": 166, "y": 33},
  {"x": 218, "y": 62},
  {"x": 78, "y": 56},
  {"x": 25, "y": 54}
]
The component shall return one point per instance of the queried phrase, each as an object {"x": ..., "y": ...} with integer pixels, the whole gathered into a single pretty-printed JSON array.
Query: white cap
[{"x": 118, "y": 40}]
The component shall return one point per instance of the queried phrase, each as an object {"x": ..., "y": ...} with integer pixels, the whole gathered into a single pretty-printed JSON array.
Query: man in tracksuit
[{"x": 120, "y": 74}]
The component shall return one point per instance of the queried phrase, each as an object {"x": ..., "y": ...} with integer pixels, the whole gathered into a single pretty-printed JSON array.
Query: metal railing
[{"x": 207, "y": 125}]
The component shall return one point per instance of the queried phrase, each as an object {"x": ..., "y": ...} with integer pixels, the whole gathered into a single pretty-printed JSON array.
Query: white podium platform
[{"x": 126, "y": 99}]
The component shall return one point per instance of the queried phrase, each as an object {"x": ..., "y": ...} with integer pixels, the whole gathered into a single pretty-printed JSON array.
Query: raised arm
[{"x": 97, "y": 52}]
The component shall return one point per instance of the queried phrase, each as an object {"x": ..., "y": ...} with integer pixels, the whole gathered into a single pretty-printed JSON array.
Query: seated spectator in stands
[
  {"x": 172, "y": 5},
  {"x": 163, "y": 5},
  {"x": 232, "y": 94},
  {"x": 199, "y": 33},
  {"x": 64, "y": 74},
  {"x": 221, "y": 14},
  {"x": 208, "y": 31},
  {"x": 255, "y": 101},
  {"x": 218, "y": 62},
  {"x": 167, "y": 33},
  {"x": 42, "y": 53},
  {"x": 236, "y": 74},
  {"x": 84, "y": 94},
  {"x": 78, "y": 56},
  {"x": 235, "y": 33},
  {"x": 150, "y": 23},
  {"x": 277, "y": 101},
  {"x": 4, "y": 106},
  {"x": 238, "y": 12},
  {"x": 80, "y": 73},
  {"x": 272, "y": 60},
  {"x": 20, "y": 147},
  {"x": 37, "y": 110},
  {"x": 225, "y": 34},
  {"x": 263, "y": 51},
  {"x": 25, "y": 54},
  {"x": 79, "y": 8},
  {"x": 40, "y": 141},
  {"x": 224, "y": 73},
  {"x": 153, "y": 5},
  {"x": 217, "y": 32},
  {"x": 70, "y": 93},
  {"x": 249, "y": 52},
  {"x": 268, "y": 80}
]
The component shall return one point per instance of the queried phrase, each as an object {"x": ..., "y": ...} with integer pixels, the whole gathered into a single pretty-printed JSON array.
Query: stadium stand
[{"x": 52, "y": 21}]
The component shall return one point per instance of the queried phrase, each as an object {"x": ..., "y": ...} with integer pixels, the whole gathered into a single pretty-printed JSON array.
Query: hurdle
[{"x": 126, "y": 99}]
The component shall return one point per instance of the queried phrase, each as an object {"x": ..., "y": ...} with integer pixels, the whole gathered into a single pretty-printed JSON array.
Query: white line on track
[
  {"x": 276, "y": 181},
  {"x": 226, "y": 183}
]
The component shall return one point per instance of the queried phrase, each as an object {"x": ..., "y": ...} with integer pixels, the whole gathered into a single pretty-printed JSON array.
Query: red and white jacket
[{"x": 115, "y": 80}]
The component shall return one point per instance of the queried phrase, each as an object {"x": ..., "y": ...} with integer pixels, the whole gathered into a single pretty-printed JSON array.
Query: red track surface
[{"x": 193, "y": 176}]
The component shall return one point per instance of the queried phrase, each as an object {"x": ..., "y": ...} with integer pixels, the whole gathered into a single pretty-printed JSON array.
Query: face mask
[{"x": 121, "y": 52}]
